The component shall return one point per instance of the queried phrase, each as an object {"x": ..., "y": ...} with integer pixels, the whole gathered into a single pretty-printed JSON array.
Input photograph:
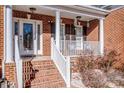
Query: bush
[
  {"x": 94, "y": 69},
  {"x": 106, "y": 62}
]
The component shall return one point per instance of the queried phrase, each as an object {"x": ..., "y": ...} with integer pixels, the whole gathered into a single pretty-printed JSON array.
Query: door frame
[{"x": 35, "y": 22}]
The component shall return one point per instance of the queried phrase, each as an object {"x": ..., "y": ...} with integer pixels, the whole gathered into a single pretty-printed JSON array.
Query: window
[
  {"x": 16, "y": 28},
  {"x": 53, "y": 30},
  {"x": 62, "y": 32},
  {"x": 38, "y": 36}
]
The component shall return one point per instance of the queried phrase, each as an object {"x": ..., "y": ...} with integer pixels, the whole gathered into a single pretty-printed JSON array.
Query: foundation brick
[
  {"x": 10, "y": 73},
  {"x": 1, "y": 36}
]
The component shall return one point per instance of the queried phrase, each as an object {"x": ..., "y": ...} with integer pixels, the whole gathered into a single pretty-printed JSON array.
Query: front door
[{"x": 26, "y": 38}]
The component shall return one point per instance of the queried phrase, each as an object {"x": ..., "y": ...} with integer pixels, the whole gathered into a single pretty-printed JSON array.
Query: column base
[
  {"x": 9, "y": 61},
  {"x": 10, "y": 73}
]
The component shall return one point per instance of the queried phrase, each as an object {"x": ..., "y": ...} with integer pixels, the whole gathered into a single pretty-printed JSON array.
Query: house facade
[{"x": 38, "y": 42}]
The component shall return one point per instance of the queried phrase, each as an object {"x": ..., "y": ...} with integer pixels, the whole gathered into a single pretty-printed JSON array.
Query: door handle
[{"x": 20, "y": 37}]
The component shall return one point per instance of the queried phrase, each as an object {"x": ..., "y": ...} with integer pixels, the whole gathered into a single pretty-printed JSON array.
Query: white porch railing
[
  {"x": 62, "y": 63},
  {"x": 72, "y": 45},
  {"x": 18, "y": 62},
  {"x": 77, "y": 47}
]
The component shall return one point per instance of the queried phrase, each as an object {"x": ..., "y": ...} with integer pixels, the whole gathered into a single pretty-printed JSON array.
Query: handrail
[
  {"x": 61, "y": 63},
  {"x": 18, "y": 62}
]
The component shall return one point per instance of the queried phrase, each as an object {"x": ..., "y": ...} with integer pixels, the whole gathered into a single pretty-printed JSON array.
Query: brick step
[
  {"x": 50, "y": 85},
  {"x": 46, "y": 82},
  {"x": 30, "y": 69},
  {"x": 47, "y": 78},
  {"x": 43, "y": 62},
  {"x": 44, "y": 73}
]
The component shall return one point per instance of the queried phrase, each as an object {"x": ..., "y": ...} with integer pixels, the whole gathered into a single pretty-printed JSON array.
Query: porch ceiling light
[
  {"x": 78, "y": 17},
  {"x": 32, "y": 9},
  {"x": 76, "y": 20}
]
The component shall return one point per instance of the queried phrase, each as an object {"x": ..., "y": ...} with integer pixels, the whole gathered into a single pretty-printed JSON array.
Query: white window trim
[{"x": 81, "y": 35}]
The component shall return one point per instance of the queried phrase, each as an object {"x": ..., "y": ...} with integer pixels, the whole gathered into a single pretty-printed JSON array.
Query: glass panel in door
[{"x": 27, "y": 36}]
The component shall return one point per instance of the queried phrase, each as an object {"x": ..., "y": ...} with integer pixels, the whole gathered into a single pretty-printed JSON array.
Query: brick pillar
[
  {"x": 10, "y": 72},
  {"x": 1, "y": 37}
]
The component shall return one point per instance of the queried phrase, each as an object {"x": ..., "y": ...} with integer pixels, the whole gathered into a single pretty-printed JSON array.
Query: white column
[
  {"x": 101, "y": 35},
  {"x": 9, "y": 35},
  {"x": 58, "y": 19}
]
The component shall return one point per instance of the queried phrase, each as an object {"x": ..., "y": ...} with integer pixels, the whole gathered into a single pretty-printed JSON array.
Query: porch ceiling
[
  {"x": 108, "y": 7},
  {"x": 46, "y": 11},
  {"x": 87, "y": 12}
]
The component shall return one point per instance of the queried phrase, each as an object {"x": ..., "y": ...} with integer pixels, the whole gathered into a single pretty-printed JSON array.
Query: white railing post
[
  {"x": 58, "y": 29},
  {"x": 68, "y": 72},
  {"x": 101, "y": 35},
  {"x": 18, "y": 62}
]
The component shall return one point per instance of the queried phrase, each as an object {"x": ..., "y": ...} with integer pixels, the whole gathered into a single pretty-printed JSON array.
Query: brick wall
[
  {"x": 1, "y": 36},
  {"x": 114, "y": 32},
  {"x": 92, "y": 32},
  {"x": 1, "y": 31}
]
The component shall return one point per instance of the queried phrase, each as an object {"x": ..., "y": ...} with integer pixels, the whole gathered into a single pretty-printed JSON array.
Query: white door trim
[{"x": 40, "y": 52}]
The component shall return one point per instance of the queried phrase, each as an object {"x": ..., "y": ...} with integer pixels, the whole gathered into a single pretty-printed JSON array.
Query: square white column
[
  {"x": 101, "y": 35},
  {"x": 57, "y": 33},
  {"x": 9, "y": 34}
]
